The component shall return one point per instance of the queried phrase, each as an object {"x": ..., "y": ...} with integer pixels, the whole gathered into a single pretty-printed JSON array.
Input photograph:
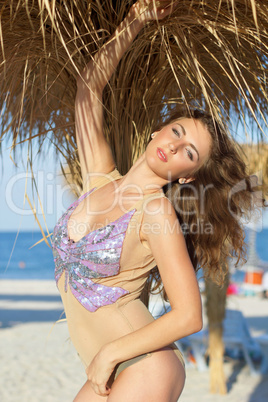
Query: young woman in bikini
[{"x": 109, "y": 240}]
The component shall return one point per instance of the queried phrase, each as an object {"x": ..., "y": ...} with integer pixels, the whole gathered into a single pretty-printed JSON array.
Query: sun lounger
[
  {"x": 236, "y": 335},
  {"x": 262, "y": 340}
]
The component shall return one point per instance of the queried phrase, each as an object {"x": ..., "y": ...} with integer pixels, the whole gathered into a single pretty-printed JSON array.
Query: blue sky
[{"x": 55, "y": 195}]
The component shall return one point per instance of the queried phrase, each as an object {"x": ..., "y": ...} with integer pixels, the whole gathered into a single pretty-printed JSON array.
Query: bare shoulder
[
  {"x": 160, "y": 216},
  {"x": 160, "y": 208}
]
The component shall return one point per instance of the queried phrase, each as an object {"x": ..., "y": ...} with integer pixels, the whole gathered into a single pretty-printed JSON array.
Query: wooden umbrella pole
[{"x": 215, "y": 307}]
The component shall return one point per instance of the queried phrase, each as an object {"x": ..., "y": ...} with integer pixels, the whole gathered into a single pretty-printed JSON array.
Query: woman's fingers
[
  {"x": 165, "y": 8},
  {"x": 150, "y": 10},
  {"x": 164, "y": 12},
  {"x": 102, "y": 391},
  {"x": 99, "y": 389}
]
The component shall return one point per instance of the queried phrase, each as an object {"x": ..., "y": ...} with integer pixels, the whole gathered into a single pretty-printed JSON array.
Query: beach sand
[{"x": 39, "y": 363}]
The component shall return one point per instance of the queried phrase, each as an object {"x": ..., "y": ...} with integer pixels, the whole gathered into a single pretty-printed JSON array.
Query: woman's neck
[{"x": 140, "y": 178}]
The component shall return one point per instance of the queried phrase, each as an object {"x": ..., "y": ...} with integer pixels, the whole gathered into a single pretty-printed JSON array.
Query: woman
[{"x": 108, "y": 241}]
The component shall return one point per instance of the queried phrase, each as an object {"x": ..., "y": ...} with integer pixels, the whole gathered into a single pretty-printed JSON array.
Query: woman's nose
[{"x": 172, "y": 147}]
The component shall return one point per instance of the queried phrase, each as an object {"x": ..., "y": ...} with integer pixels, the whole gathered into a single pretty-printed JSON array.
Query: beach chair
[
  {"x": 262, "y": 340},
  {"x": 236, "y": 335}
]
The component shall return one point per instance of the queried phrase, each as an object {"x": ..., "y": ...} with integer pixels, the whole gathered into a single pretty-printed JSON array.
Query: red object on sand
[{"x": 232, "y": 289}]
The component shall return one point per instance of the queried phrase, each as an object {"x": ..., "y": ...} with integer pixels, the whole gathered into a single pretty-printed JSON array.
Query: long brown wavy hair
[{"x": 210, "y": 208}]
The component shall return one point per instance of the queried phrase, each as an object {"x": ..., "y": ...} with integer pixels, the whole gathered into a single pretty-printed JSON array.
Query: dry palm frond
[{"x": 210, "y": 53}]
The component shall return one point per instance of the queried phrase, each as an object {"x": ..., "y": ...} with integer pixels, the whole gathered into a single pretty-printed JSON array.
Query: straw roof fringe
[{"x": 210, "y": 53}]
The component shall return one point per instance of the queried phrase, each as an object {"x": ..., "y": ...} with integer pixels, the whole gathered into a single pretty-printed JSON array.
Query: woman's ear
[
  {"x": 154, "y": 134},
  {"x": 185, "y": 181}
]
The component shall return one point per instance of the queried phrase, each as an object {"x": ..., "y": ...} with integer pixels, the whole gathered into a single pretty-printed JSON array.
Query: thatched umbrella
[{"x": 210, "y": 53}]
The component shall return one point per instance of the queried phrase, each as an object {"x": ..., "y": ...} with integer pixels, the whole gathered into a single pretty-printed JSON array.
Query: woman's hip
[{"x": 157, "y": 376}]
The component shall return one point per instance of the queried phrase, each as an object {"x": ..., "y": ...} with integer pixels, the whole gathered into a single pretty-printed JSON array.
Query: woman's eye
[
  {"x": 176, "y": 132},
  {"x": 190, "y": 155}
]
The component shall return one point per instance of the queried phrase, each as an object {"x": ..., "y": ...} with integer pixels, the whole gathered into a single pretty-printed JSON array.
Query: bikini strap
[{"x": 97, "y": 180}]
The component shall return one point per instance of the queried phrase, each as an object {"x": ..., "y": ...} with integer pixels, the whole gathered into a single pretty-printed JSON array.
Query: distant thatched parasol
[{"x": 256, "y": 157}]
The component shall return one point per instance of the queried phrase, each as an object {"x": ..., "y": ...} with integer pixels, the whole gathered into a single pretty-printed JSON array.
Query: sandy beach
[{"x": 39, "y": 363}]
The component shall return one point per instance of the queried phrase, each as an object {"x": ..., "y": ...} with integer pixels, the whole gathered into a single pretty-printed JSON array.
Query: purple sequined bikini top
[{"x": 96, "y": 255}]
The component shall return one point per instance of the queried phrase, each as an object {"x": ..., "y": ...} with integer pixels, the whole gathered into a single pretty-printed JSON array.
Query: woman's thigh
[{"x": 158, "y": 378}]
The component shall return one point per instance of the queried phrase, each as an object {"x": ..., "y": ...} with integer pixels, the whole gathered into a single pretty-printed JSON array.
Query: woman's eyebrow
[{"x": 192, "y": 145}]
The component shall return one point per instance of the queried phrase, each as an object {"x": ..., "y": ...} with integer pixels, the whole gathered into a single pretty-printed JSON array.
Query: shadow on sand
[
  {"x": 12, "y": 316},
  {"x": 260, "y": 393}
]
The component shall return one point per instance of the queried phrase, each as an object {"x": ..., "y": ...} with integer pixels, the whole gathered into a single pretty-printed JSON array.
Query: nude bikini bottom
[{"x": 122, "y": 366}]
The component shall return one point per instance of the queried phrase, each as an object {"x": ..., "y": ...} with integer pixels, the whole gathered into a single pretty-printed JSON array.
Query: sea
[{"x": 19, "y": 260}]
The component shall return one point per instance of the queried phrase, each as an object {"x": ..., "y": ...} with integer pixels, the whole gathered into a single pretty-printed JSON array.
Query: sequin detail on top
[{"x": 96, "y": 255}]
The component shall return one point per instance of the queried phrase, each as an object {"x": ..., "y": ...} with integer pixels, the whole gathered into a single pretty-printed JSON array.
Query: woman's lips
[{"x": 161, "y": 155}]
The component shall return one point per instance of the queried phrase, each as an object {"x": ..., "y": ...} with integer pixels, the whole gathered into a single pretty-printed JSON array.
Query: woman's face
[{"x": 179, "y": 149}]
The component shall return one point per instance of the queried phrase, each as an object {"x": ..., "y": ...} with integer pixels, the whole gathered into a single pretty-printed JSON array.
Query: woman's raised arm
[{"x": 94, "y": 152}]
